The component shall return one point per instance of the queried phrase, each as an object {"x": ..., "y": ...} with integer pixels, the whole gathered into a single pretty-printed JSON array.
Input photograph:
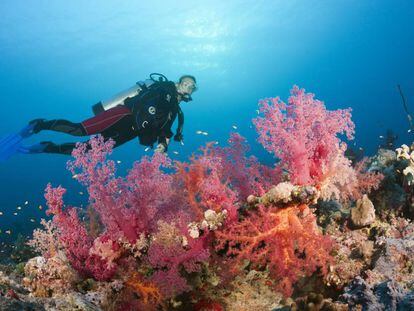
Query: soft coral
[
  {"x": 75, "y": 238},
  {"x": 303, "y": 134},
  {"x": 285, "y": 240}
]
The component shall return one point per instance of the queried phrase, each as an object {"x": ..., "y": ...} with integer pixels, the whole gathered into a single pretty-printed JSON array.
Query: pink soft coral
[
  {"x": 75, "y": 238},
  {"x": 126, "y": 207},
  {"x": 303, "y": 134},
  {"x": 246, "y": 174},
  {"x": 174, "y": 253},
  {"x": 134, "y": 207}
]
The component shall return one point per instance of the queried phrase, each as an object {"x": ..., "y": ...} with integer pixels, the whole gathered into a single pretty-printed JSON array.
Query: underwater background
[{"x": 59, "y": 58}]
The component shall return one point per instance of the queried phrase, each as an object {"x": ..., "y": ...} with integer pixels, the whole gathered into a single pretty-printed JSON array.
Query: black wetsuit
[{"x": 148, "y": 116}]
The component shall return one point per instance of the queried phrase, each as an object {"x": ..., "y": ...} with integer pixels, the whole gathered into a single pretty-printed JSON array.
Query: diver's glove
[
  {"x": 161, "y": 147},
  {"x": 179, "y": 137}
]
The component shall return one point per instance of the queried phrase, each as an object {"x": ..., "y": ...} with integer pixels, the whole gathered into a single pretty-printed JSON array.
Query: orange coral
[
  {"x": 204, "y": 184},
  {"x": 286, "y": 240},
  {"x": 190, "y": 177},
  {"x": 149, "y": 293}
]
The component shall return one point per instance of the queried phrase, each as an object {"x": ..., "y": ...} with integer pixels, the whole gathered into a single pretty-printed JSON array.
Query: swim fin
[{"x": 10, "y": 144}]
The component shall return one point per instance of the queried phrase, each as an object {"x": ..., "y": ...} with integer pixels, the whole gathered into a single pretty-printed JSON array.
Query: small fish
[
  {"x": 19, "y": 207},
  {"x": 381, "y": 136},
  {"x": 199, "y": 132},
  {"x": 8, "y": 231},
  {"x": 409, "y": 131},
  {"x": 40, "y": 207},
  {"x": 257, "y": 111},
  {"x": 32, "y": 220},
  {"x": 15, "y": 214},
  {"x": 360, "y": 148},
  {"x": 1, "y": 213},
  {"x": 75, "y": 176},
  {"x": 146, "y": 149},
  {"x": 205, "y": 133},
  {"x": 216, "y": 143},
  {"x": 27, "y": 202},
  {"x": 235, "y": 127},
  {"x": 80, "y": 192},
  {"x": 175, "y": 152},
  {"x": 119, "y": 162}
]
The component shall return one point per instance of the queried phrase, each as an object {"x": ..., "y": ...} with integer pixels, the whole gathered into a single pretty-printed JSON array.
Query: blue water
[{"x": 58, "y": 58}]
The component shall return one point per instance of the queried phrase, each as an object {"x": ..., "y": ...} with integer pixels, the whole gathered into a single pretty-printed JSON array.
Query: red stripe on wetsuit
[{"x": 104, "y": 120}]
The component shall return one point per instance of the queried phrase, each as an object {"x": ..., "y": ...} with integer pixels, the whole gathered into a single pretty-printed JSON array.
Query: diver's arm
[
  {"x": 179, "y": 134},
  {"x": 164, "y": 136}
]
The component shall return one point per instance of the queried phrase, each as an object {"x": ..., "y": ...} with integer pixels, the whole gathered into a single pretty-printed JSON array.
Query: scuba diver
[{"x": 147, "y": 111}]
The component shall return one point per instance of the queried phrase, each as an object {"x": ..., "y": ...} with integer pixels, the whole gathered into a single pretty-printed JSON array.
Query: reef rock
[
  {"x": 47, "y": 277},
  {"x": 364, "y": 213},
  {"x": 75, "y": 301},
  {"x": 17, "y": 305},
  {"x": 388, "y": 295}
]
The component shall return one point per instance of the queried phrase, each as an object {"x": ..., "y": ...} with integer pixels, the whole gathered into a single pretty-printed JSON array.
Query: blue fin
[{"x": 10, "y": 144}]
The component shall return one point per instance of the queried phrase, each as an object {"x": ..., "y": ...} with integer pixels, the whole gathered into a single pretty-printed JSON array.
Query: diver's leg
[
  {"x": 121, "y": 131},
  {"x": 91, "y": 126},
  {"x": 48, "y": 147},
  {"x": 59, "y": 125},
  {"x": 65, "y": 148},
  {"x": 117, "y": 133}
]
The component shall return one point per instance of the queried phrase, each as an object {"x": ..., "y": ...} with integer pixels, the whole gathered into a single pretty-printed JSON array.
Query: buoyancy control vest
[{"x": 138, "y": 91}]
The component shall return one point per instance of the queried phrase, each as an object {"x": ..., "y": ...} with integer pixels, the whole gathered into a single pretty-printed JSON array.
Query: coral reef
[
  {"x": 314, "y": 231},
  {"x": 48, "y": 277}
]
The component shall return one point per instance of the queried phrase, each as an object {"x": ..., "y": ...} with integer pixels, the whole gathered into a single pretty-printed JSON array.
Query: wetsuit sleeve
[{"x": 166, "y": 132}]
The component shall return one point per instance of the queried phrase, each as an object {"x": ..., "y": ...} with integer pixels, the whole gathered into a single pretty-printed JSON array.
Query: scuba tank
[{"x": 118, "y": 99}]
